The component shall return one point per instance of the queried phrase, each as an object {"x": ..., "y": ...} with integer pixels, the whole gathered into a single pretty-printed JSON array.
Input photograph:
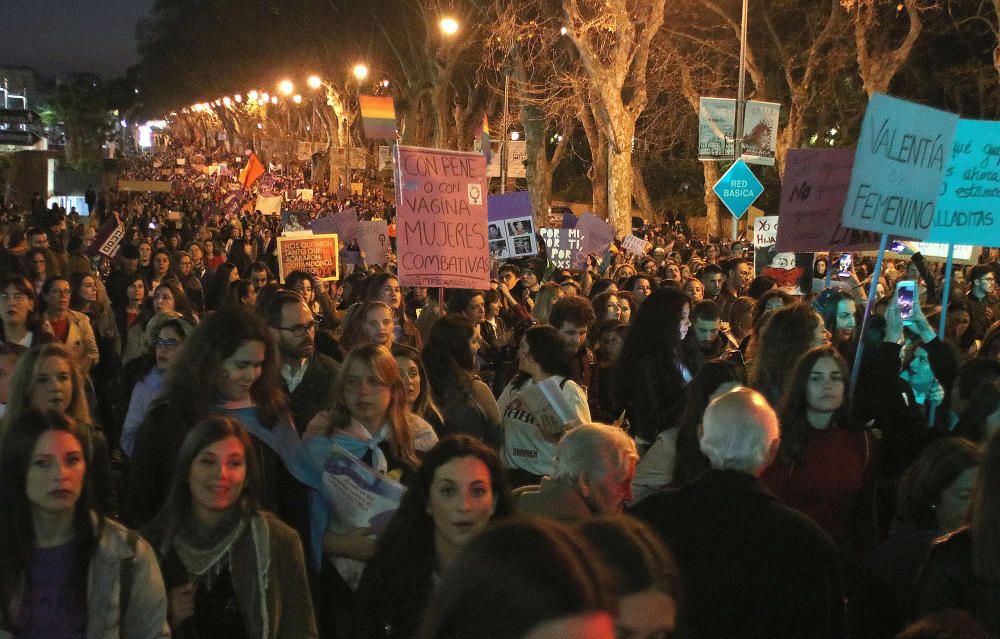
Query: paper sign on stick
[
  {"x": 968, "y": 210},
  {"x": 442, "y": 225},
  {"x": 634, "y": 245},
  {"x": 373, "y": 239},
  {"x": 899, "y": 165},
  {"x": 344, "y": 224}
]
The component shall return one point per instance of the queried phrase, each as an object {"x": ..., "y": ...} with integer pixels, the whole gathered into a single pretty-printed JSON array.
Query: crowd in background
[{"x": 652, "y": 445}]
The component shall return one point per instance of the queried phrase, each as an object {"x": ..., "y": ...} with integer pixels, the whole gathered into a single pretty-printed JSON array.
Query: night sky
[{"x": 60, "y": 36}]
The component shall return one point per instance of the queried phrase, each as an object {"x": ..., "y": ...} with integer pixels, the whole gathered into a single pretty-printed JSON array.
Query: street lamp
[
  {"x": 297, "y": 99},
  {"x": 449, "y": 26},
  {"x": 253, "y": 95},
  {"x": 360, "y": 72},
  {"x": 286, "y": 87},
  {"x": 314, "y": 82}
]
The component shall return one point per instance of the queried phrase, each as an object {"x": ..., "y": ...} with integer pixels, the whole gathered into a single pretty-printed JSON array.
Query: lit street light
[
  {"x": 297, "y": 99},
  {"x": 286, "y": 87},
  {"x": 314, "y": 82},
  {"x": 360, "y": 72},
  {"x": 449, "y": 26}
]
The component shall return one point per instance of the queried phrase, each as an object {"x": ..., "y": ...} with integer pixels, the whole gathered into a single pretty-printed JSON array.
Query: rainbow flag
[
  {"x": 483, "y": 137},
  {"x": 378, "y": 117},
  {"x": 253, "y": 170}
]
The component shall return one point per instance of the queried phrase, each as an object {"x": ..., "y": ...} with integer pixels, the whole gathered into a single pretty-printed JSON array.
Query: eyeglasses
[
  {"x": 167, "y": 344},
  {"x": 300, "y": 330},
  {"x": 62, "y": 292},
  {"x": 12, "y": 297}
]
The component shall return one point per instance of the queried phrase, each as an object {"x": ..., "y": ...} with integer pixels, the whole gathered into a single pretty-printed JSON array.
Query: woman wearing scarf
[{"x": 230, "y": 569}]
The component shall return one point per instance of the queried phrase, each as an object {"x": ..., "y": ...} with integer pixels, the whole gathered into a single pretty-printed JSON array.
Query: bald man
[{"x": 751, "y": 566}]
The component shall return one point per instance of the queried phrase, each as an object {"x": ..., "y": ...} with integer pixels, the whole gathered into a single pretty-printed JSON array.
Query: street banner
[
  {"x": 792, "y": 271},
  {"x": 968, "y": 210},
  {"x": 154, "y": 186},
  {"x": 813, "y": 192},
  {"x": 899, "y": 166},
  {"x": 378, "y": 117},
  {"x": 303, "y": 151},
  {"x": 634, "y": 245},
  {"x": 441, "y": 205},
  {"x": 343, "y": 223},
  {"x": 108, "y": 240},
  {"x": 269, "y": 205},
  {"x": 511, "y": 225},
  {"x": 384, "y": 158},
  {"x": 373, "y": 239},
  {"x": 316, "y": 254},
  {"x": 596, "y": 234},
  {"x": 517, "y": 156},
  {"x": 716, "y": 130},
  {"x": 564, "y": 247},
  {"x": 338, "y": 157}
]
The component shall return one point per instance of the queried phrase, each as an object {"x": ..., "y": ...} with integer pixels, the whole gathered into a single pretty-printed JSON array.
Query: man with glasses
[
  {"x": 307, "y": 375},
  {"x": 982, "y": 297}
]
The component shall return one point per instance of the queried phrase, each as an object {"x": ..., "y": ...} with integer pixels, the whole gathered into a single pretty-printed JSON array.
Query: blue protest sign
[
  {"x": 968, "y": 210},
  {"x": 738, "y": 188},
  {"x": 898, "y": 168}
]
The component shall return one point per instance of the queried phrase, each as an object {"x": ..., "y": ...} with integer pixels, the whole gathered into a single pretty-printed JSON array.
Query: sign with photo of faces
[{"x": 511, "y": 226}]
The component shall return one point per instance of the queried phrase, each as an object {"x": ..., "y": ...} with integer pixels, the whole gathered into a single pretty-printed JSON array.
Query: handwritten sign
[
  {"x": 316, "y": 254},
  {"x": 564, "y": 247},
  {"x": 442, "y": 220},
  {"x": 634, "y": 245},
  {"x": 812, "y": 199},
  {"x": 968, "y": 209},
  {"x": 373, "y": 239},
  {"x": 595, "y": 233},
  {"x": 899, "y": 166}
]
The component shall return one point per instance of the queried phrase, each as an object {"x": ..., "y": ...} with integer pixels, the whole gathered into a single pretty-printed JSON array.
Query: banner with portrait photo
[
  {"x": 295, "y": 223},
  {"x": 315, "y": 254},
  {"x": 511, "y": 227}
]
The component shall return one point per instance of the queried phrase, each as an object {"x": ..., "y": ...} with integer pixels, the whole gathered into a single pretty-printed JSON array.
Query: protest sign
[
  {"x": 373, "y": 239},
  {"x": 108, "y": 240},
  {"x": 181, "y": 161},
  {"x": 792, "y": 271},
  {"x": 344, "y": 224},
  {"x": 306, "y": 195},
  {"x": 268, "y": 205},
  {"x": 511, "y": 225},
  {"x": 295, "y": 222},
  {"x": 634, "y": 245},
  {"x": 563, "y": 247},
  {"x": 441, "y": 209},
  {"x": 899, "y": 166},
  {"x": 968, "y": 210},
  {"x": 155, "y": 186},
  {"x": 937, "y": 252},
  {"x": 716, "y": 123},
  {"x": 316, "y": 254},
  {"x": 596, "y": 234},
  {"x": 813, "y": 192}
]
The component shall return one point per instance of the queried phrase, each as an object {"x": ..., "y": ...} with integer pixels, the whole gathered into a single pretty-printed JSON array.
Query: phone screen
[
  {"x": 905, "y": 296},
  {"x": 897, "y": 247},
  {"x": 846, "y": 262}
]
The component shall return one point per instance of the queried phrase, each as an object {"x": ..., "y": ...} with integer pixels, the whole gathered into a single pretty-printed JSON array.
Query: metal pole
[
  {"x": 740, "y": 103},
  {"x": 947, "y": 291},
  {"x": 506, "y": 132},
  {"x": 872, "y": 294}
]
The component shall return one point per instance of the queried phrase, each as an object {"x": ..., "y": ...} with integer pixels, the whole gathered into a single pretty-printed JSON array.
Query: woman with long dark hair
[
  {"x": 784, "y": 337},
  {"x": 20, "y": 317},
  {"x": 384, "y": 287},
  {"x": 457, "y": 491},
  {"x": 532, "y": 428},
  {"x": 231, "y": 570},
  {"x": 417, "y": 385},
  {"x": 218, "y": 286},
  {"x": 655, "y": 364},
  {"x": 65, "y": 571},
  {"x": 465, "y": 401}
]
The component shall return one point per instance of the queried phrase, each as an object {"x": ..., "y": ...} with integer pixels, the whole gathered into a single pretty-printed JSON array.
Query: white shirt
[{"x": 293, "y": 376}]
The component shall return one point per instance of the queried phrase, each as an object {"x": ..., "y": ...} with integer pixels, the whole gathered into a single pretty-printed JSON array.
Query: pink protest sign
[
  {"x": 441, "y": 230},
  {"x": 812, "y": 199},
  {"x": 595, "y": 234}
]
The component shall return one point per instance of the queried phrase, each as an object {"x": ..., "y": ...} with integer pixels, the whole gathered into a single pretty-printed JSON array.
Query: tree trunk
[
  {"x": 439, "y": 102},
  {"x": 640, "y": 192},
  {"x": 620, "y": 177},
  {"x": 537, "y": 169},
  {"x": 717, "y": 214}
]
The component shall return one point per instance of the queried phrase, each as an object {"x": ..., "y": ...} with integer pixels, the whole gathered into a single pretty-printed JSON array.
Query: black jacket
[
  {"x": 949, "y": 581},
  {"x": 751, "y": 566},
  {"x": 313, "y": 392}
]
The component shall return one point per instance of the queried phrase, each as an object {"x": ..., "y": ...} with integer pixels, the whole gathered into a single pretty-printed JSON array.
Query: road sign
[
  {"x": 19, "y": 138},
  {"x": 738, "y": 188}
]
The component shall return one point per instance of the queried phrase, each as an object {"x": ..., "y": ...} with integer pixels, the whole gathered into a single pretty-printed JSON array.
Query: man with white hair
[
  {"x": 592, "y": 475},
  {"x": 751, "y": 566}
]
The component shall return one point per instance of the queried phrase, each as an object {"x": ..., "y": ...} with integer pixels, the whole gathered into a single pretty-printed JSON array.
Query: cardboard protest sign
[
  {"x": 316, "y": 254},
  {"x": 344, "y": 224},
  {"x": 792, "y": 271},
  {"x": 899, "y": 166},
  {"x": 511, "y": 225},
  {"x": 813, "y": 192},
  {"x": 268, "y": 205},
  {"x": 595, "y": 233},
  {"x": 154, "y": 186},
  {"x": 634, "y": 245},
  {"x": 108, "y": 240},
  {"x": 373, "y": 239},
  {"x": 441, "y": 208},
  {"x": 968, "y": 210},
  {"x": 306, "y": 195},
  {"x": 564, "y": 247}
]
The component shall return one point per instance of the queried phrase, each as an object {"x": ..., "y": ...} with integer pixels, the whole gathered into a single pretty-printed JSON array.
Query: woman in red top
[{"x": 824, "y": 468}]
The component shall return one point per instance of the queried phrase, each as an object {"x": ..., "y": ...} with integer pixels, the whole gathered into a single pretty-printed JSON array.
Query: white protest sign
[
  {"x": 899, "y": 166},
  {"x": 268, "y": 205},
  {"x": 634, "y": 245}
]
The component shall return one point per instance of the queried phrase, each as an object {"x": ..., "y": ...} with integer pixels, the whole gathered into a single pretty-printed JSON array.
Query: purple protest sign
[
  {"x": 108, "y": 240},
  {"x": 812, "y": 200},
  {"x": 595, "y": 234},
  {"x": 442, "y": 227},
  {"x": 509, "y": 205},
  {"x": 344, "y": 224}
]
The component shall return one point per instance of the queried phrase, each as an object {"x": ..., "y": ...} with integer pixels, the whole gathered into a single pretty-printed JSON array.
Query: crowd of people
[{"x": 654, "y": 445}]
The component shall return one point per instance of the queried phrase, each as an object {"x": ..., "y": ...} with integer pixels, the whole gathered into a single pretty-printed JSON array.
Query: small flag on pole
[
  {"x": 483, "y": 138},
  {"x": 253, "y": 170},
  {"x": 378, "y": 117}
]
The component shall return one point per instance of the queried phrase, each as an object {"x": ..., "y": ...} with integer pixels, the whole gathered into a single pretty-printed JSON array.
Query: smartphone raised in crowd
[
  {"x": 906, "y": 297},
  {"x": 846, "y": 262}
]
